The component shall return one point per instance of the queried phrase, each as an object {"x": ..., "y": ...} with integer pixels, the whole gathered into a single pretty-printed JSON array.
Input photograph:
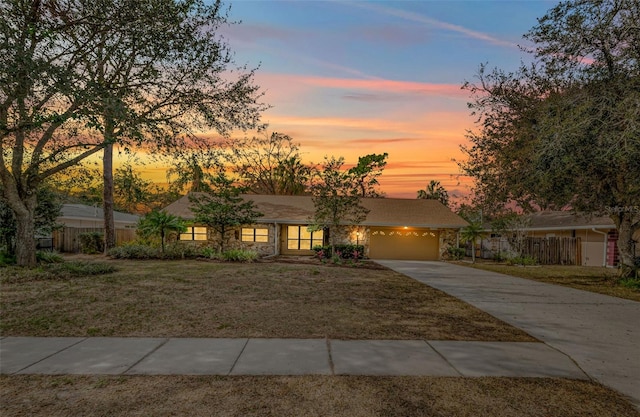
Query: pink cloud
[
  {"x": 393, "y": 86},
  {"x": 287, "y": 84}
]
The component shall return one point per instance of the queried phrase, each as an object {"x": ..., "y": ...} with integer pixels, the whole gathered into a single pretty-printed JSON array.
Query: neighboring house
[
  {"x": 597, "y": 235},
  {"x": 394, "y": 228},
  {"x": 80, "y": 218}
]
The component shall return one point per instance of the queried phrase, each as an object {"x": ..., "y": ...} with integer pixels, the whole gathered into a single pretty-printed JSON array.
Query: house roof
[
  {"x": 84, "y": 212},
  {"x": 558, "y": 220},
  {"x": 382, "y": 211},
  {"x": 564, "y": 220}
]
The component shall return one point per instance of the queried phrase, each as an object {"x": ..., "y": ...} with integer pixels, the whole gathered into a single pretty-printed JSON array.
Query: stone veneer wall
[{"x": 448, "y": 238}]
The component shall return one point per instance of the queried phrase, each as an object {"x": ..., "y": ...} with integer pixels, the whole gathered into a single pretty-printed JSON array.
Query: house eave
[{"x": 559, "y": 228}]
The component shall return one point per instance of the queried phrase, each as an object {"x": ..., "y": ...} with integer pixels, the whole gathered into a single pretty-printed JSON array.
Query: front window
[
  {"x": 300, "y": 238},
  {"x": 194, "y": 233},
  {"x": 250, "y": 234}
]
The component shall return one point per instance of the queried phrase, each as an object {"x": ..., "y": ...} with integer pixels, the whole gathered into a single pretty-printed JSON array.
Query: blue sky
[{"x": 351, "y": 78}]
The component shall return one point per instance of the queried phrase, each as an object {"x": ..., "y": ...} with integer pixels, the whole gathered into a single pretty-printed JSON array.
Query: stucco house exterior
[
  {"x": 597, "y": 235},
  {"x": 393, "y": 229}
]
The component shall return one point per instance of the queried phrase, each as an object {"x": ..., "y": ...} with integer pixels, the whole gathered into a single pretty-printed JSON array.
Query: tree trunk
[
  {"x": 107, "y": 195},
  {"x": 473, "y": 252},
  {"x": 223, "y": 233},
  {"x": 627, "y": 223},
  {"x": 25, "y": 236}
]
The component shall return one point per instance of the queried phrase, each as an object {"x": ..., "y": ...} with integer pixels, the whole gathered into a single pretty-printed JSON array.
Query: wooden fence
[
  {"x": 66, "y": 239},
  {"x": 554, "y": 250}
]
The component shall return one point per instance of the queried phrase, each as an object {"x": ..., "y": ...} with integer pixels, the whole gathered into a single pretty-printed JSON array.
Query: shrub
[
  {"x": 49, "y": 257},
  {"x": 455, "y": 253},
  {"x": 522, "y": 260},
  {"x": 632, "y": 283},
  {"x": 208, "y": 252},
  {"x": 343, "y": 251},
  {"x": 239, "y": 255},
  {"x": 91, "y": 242},
  {"x": 6, "y": 259},
  {"x": 80, "y": 268},
  {"x": 134, "y": 251},
  {"x": 177, "y": 250}
]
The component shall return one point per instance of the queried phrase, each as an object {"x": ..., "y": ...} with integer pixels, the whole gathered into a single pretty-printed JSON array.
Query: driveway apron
[{"x": 600, "y": 333}]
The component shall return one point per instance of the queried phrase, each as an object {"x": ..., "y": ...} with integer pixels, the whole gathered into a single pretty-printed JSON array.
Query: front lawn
[
  {"x": 210, "y": 299},
  {"x": 327, "y": 396}
]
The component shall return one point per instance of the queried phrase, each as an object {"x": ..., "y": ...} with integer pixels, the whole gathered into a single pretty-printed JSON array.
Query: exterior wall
[
  {"x": 448, "y": 239},
  {"x": 233, "y": 240}
]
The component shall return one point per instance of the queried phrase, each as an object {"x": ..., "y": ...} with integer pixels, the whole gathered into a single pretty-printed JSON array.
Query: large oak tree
[
  {"x": 564, "y": 132},
  {"x": 78, "y": 76}
]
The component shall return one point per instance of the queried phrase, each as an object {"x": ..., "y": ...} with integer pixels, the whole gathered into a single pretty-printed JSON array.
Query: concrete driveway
[{"x": 600, "y": 333}]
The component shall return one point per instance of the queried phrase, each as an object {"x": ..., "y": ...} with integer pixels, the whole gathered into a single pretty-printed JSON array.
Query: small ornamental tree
[
  {"x": 160, "y": 224},
  {"x": 223, "y": 208},
  {"x": 336, "y": 198}
]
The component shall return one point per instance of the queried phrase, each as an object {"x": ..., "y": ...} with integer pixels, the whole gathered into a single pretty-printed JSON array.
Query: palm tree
[
  {"x": 434, "y": 191},
  {"x": 471, "y": 234},
  {"x": 160, "y": 223}
]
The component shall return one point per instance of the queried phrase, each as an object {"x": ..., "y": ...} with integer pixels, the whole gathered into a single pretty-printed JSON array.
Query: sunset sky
[{"x": 352, "y": 78}]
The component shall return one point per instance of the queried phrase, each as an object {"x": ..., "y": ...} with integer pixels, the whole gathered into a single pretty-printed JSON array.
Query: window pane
[
  {"x": 262, "y": 238},
  {"x": 247, "y": 232},
  {"x": 292, "y": 244},
  {"x": 262, "y": 232},
  {"x": 186, "y": 236},
  {"x": 318, "y": 234},
  {"x": 200, "y": 237},
  {"x": 317, "y": 242},
  {"x": 304, "y": 233},
  {"x": 200, "y": 230},
  {"x": 305, "y": 244},
  {"x": 292, "y": 232}
]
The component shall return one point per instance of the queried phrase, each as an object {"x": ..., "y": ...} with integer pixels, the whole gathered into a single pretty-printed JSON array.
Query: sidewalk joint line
[
  {"x": 443, "y": 357},
  {"x": 331, "y": 364},
  {"x": 53, "y": 354},
  {"x": 164, "y": 342},
  {"x": 573, "y": 361},
  {"x": 238, "y": 357}
]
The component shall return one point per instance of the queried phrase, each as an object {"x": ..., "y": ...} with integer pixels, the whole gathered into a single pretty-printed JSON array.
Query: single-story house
[
  {"x": 80, "y": 218},
  {"x": 393, "y": 229},
  {"x": 597, "y": 235}
]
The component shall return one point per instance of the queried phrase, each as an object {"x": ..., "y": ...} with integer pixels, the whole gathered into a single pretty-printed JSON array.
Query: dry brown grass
[
  {"x": 327, "y": 396},
  {"x": 589, "y": 278},
  {"x": 208, "y": 299}
]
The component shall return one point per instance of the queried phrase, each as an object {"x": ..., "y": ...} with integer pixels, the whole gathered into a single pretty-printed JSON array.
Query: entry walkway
[
  {"x": 600, "y": 333},
  {"x": 158, "y": 356}
]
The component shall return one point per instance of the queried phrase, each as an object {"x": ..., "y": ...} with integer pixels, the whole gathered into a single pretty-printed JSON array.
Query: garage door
[{"x": 401, "y": 243}]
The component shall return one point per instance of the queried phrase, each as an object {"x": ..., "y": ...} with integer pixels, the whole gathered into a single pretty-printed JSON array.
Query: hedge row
[{"x": 343, "y": 251}]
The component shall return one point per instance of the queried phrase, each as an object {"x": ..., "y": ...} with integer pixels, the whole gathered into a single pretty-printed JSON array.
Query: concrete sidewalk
[
  {"x": 182, "y": 356},
  {"x": 600, "y": 333}
]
